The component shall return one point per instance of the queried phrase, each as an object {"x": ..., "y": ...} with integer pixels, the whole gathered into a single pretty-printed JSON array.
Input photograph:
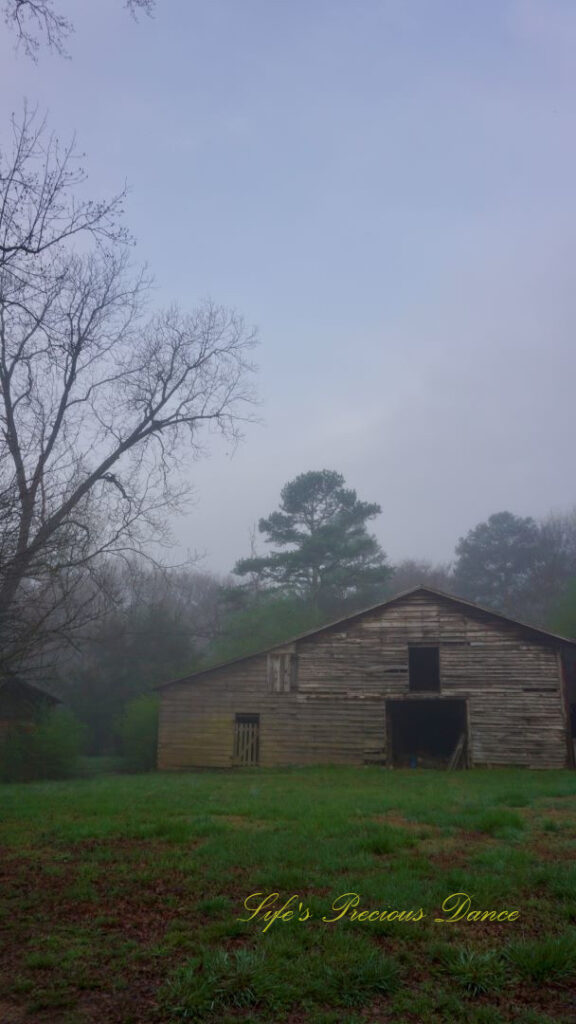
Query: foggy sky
[{"x": 387, "y": 190}]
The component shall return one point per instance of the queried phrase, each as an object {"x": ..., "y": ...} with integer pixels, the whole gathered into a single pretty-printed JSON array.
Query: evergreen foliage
[
  {"x": 323, "y": 551},
  {"x": 496, "y": 560}
]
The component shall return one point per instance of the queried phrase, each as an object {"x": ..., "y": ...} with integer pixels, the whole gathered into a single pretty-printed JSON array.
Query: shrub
[
  {"x": 47, "y": 749},
  {"x": 139, "y": 734}
]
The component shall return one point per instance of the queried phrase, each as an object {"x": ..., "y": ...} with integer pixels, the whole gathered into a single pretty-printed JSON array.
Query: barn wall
[
  {"x": 338, "y": 713},
  {"x": 196, "y": 725}
]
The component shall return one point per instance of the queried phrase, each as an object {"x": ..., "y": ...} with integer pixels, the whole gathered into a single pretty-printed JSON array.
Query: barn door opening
[
  {"x": 426, "y": 733},
  {"x": 246, "y": 739}
]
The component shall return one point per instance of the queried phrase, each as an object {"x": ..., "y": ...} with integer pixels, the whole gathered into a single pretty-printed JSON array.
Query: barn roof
[
  {"x": 14, "y": 682},
  {"x": 533, "y": 631}
]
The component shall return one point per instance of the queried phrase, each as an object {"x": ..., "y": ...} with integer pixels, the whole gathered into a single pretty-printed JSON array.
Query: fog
[{"x": 386, "y": 190}]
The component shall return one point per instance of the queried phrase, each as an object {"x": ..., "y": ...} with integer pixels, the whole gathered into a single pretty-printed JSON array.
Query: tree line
[
  {"x": 323, "y": 553},
  {"x": 322, "y": 564}
]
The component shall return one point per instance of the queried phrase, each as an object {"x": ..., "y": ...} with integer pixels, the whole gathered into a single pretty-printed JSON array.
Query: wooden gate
[{"x": 246, "y": 739}]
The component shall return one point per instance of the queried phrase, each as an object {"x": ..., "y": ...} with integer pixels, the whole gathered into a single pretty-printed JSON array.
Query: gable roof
[
  {"x": 467, "y": 606},
  {"x": 16, "y": 683}
]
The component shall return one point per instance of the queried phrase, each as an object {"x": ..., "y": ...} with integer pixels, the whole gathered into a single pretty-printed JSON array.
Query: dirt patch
[
  {"x": 444, "y": 851},
  {"x": 552, "y": 843},
  {"x": 551, "y": 852},
  {"x": 239, "y": 821},
  {"x": 397, "y": 820},
  {"x": 11, "y": 1014},
  {"x": 456, "y": 850},
  {"x": 564, "y": 815}
]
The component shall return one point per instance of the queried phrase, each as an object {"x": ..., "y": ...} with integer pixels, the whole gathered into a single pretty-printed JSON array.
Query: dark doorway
[
  {"x": 246, "y": 739},
  {"x": 425, "y": 733}
]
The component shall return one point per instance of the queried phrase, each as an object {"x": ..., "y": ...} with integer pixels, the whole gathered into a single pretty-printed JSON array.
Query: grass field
[{"x": 121, "y": 896}]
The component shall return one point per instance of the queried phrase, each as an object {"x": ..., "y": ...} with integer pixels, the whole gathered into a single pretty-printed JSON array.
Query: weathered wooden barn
[
  {"x": 21, "y": 703},
  {"x": 425, "y": 679}
]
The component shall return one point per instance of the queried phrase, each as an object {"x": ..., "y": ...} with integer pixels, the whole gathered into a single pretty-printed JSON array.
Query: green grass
[
  {"x": 126, "y": 899},
  {"x": 546, "y": 959},
  {"x": 478, "y": 972}
]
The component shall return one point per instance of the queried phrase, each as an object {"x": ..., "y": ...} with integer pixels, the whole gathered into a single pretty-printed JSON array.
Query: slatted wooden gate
[{"x": 246, "y": 739}]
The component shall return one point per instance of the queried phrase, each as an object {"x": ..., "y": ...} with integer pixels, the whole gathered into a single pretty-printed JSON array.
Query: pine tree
[{"x": 323, "y": 551}]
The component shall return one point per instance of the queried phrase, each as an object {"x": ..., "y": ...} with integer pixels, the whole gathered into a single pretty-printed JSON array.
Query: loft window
[
  {"x": 281, "y": 670},
  {"x": 424, "y": 668},
  {"x": 246, "y": 739}
]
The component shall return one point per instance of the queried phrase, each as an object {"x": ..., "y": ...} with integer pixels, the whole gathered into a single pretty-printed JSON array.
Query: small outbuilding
[
  {"x": 422, "y": 680},
  {"x": 21, "y": 703}
]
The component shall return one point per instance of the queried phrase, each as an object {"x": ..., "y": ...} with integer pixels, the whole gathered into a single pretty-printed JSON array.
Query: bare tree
[
  {"x": 100, "y": 403},
  {"x": 413, "y": 572},
  {"x": 39, "y": 206},
  {"x": 38, "y": 22}
]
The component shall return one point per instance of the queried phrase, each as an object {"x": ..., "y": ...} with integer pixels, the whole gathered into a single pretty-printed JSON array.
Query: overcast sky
[{"x": 387, "y": 189}]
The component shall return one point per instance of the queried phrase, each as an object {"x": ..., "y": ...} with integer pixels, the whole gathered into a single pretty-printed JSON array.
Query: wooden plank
[{"x": 457, "y": 756}]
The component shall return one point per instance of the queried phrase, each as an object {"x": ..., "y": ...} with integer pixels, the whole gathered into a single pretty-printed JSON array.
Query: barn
[
  {"x": 21, "y": 703},
  {"x": 422, "y": 680}
]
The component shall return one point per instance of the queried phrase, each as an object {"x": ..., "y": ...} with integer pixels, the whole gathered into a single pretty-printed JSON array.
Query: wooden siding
[{"x": 337, "y": 713}]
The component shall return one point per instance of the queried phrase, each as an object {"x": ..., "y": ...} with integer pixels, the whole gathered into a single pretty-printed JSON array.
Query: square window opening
[
  {"x": 424, "y": 669},
  {"x": 282, "y": 671}
]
